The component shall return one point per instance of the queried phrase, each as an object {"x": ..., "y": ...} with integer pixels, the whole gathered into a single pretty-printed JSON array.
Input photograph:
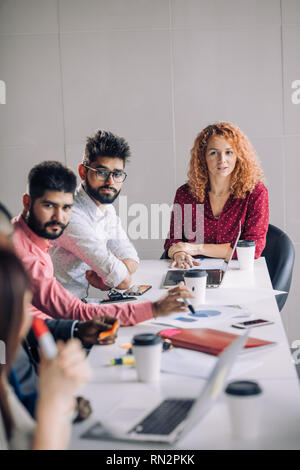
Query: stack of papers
[{"x": 196, "y": 364}]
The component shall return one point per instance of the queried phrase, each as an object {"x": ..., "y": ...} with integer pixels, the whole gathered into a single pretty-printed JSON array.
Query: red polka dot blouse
[{"x": 253, "y": 212}]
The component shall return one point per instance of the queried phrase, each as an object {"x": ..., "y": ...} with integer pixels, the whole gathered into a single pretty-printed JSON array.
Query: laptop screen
[
  {"x": 215, "y": 275},
  {"x": 227, "y": 261}
]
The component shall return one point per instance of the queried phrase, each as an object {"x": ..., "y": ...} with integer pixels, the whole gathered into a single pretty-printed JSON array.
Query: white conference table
[{"x": 275, "y": 371}]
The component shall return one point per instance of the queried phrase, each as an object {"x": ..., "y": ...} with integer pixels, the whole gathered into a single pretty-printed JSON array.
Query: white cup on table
[
  {"x": 147, "y": 349},
  {"x": 195, "y": 281},
  {"x": 244, "y": 399},
  {"x": 246, "y": 252}
]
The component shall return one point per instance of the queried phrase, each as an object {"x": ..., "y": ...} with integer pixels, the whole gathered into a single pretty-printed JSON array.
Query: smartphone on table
[
  {"x": 137, "y": 290},
  {"x": 252, "y": 323}
]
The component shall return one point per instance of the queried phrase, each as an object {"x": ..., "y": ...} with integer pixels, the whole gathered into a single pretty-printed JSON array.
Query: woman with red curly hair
[{"x": 224, "y": 179}]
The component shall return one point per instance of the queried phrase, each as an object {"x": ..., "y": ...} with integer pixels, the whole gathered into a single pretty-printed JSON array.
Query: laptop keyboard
[{"x": 165, "y": 418}]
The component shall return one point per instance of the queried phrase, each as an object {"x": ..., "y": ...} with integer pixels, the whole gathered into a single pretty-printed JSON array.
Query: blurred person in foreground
[{"x": 60, "y": 378}]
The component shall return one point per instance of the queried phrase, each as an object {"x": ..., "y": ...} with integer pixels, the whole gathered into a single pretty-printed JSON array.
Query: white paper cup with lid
[
  {"x": 246, "y": 252},
  {"x": 147, "y": 349},
  {"x": 244, "y": 400},
  {"x": 195, "y": 280}
]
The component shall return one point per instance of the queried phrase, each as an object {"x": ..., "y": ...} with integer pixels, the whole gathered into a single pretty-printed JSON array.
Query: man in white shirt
[{"x": 94, "y": 248}]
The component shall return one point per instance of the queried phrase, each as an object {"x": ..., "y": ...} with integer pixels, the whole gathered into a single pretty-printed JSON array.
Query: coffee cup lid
[
  {"x": 195, "y": 273},
  {"x": 245, "y": 243},
  {"x": 146, "y": 339},
  {"x": 243, "y": 388}
]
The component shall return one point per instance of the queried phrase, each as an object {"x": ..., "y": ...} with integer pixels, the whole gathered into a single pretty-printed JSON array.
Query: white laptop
[
  {"x": 215, "y": 276},
  {"x": 172, "y": 417}
]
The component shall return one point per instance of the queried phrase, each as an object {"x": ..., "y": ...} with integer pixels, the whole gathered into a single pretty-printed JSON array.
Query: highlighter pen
[
  {"x": 189, "y": 305},
  {"x": 45, "y": 338},
  {"x": 121, "y": 361},
  {"x": 105, "y": 334},
  {"x": 167, "y": 344}
]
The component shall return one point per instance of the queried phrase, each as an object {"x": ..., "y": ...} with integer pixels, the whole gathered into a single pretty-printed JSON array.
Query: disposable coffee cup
[
  {"x": 195, "y": 281},
  {"x": 245, "y": 252},
  {"x": 244, "y": 401},
  {"x": 147, "y": 349}
]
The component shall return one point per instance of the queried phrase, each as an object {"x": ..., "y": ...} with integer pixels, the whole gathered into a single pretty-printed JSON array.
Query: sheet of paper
[
  {"x": 211, "y": 263},
  {"x": 196, "y": 364},
  {"x": 205, "y": 316},
  {"x": 207, "y": 263},
  {"x": 225, "y": 295}
]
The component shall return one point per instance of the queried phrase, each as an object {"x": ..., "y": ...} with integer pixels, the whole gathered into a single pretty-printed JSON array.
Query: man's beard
[
  {"x": 102, "y": 198},
  {"x": 35, "y": 225}
]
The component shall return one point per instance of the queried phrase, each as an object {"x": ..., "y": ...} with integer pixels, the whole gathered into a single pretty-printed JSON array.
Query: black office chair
[
  {"x": 164, "y": 256},
  {"x": 280, "y": 255}
]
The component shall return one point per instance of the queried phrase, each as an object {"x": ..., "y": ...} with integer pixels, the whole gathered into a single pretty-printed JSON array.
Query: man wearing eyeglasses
[{"x": 94, "y": 248}]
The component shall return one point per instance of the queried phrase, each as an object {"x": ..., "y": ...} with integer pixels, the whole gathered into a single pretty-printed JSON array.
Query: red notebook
[{"x": 207, "y": 340}]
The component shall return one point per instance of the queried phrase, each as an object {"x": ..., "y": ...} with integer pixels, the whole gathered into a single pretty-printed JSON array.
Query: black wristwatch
[{"x": 76, "y": 330}]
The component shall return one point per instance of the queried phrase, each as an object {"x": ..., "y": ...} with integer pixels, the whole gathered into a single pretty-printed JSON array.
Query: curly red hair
[{"x": 247, "y": 171}]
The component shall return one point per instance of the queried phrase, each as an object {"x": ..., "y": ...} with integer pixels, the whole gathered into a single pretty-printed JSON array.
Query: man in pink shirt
[{"x": 47, "y": 210}]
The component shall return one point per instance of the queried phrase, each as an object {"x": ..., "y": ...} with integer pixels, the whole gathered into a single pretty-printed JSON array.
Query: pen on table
[
  {"x": 120, "y": 361},
  {"x": 189, "y": 305}
]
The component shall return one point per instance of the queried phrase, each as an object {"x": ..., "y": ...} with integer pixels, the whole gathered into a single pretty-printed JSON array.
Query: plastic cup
[
  {"x": 244, "y": 401},
  {"x": 147, "y": 349},
  {"x": 246, "y": 252},
  {"x": 195, "y": 280}
]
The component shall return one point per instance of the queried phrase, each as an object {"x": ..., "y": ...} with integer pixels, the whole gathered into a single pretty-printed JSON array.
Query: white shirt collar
[{"x": 90, "y": 207}]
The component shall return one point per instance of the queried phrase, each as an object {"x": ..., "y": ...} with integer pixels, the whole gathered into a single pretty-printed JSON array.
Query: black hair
[
  {"x": 50, "y": 176},
  {"x": 5, "y": 211},
  {"x": 105, "y": 144}
]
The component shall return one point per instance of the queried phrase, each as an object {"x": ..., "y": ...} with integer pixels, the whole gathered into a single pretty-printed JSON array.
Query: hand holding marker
[
  {"x": 186, "y": 301},
  {"x": 44, "y": 338},
  {"x": 189, "y": 305},
  {"x": 63, "y": 370},
  {"x": 112, "y": 331}
]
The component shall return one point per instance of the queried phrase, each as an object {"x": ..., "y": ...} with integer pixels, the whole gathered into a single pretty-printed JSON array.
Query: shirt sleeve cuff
[
  {"x": 135, "y": 258},
  {"x": 128, "y": 254},
  {"x": 115, "y": 278}
]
